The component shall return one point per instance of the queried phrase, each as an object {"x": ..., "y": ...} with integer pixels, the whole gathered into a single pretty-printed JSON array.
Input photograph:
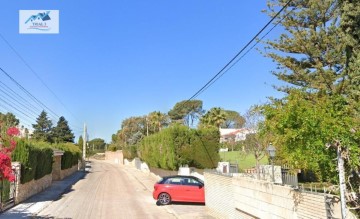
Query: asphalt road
[{"x": 107, "y": 191}]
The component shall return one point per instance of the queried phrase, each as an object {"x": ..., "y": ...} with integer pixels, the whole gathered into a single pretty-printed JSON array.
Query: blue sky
[{"x": 117, "y": 59}]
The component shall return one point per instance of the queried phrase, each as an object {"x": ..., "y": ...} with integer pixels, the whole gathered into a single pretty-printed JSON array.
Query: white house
[{"x": 234, "y": 135}]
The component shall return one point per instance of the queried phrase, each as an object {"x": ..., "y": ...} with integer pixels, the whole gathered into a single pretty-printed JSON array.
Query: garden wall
[
  {"x": 242, "y": 197},
  {"x": 115, "y": 156},
  {"x": 26, "y": 190}
]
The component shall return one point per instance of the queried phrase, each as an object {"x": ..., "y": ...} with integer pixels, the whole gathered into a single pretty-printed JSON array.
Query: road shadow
[{"x": 182, "y": 203}]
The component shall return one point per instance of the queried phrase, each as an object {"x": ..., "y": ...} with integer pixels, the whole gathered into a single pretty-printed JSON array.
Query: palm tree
[{"x": 214, "y": 117}]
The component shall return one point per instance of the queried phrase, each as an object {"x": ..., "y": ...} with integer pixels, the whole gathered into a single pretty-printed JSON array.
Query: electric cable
[
  {"x": 236, "y": 56},
  {"x": 37, "y": 76}
]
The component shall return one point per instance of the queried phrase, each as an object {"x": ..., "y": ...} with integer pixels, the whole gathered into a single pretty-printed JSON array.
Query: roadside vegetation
[
  {"x": 242, "y": 159},
  {"x": 314, "y": 124}
]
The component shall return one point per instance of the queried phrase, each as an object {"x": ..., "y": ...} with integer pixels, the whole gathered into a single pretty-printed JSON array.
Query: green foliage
[
  {"x": 5, "y": 189},
  {"x": 215, "y": 117},
  {"x": 156, "y": 121},
  {"x": 112, "y": 148},
  {"x": 97, "y": 144},
  {"x": 36, "y": 160},
  {"x": 302, "y": 128},
  {"x": 80, "y": 143},
  {"x": 130, "y": 152},
  {"x": 186, "y": 111},
  {"x": 71, "y": 156},
  {"x": 62, "y": 132},
  {"x": 42, "y": 128},
  {"x": 233, "y": 120},
  {"x": 44, "y": 162},
  {"x": 243, "y": 159},
  {"x": 8, "y": 120},
  {"x": 178, "y": 145}
]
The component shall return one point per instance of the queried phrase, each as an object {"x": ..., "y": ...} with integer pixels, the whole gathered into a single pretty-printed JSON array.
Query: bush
[
  {"x": 130, "y": 152},
  {"x": 178, "y": 145},
  {"x": 36, "y": 160},
  {"x": 71, "y": 156}
]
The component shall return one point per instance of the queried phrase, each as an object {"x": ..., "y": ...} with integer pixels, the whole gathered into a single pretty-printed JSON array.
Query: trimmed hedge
[
  {"x": 36, "y": 158},
  {"x": 71, "y": 155},
  {"x": 178, "y": 145},
  {"x": 36, "y": 161}
]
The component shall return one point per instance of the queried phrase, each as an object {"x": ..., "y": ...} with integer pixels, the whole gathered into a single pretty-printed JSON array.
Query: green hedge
[
  {"x": 71, "y": 156},
  {"x": 36, "y": 160},
  {"x": 178, "y": 145}
]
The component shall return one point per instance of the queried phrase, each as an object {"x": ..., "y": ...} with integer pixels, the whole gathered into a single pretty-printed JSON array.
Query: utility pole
[
  {"x": 84, "y": 145},
  {"x": 340, "y": 160}
]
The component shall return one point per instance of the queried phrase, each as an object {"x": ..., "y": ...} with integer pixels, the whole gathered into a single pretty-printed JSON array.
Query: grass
[{"x": 244, "y": 161}]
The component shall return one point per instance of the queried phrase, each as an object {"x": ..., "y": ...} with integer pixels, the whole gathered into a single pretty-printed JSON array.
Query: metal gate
[
  {"x": 8, "y": 191},
  {"x": 289, "y": 177}
]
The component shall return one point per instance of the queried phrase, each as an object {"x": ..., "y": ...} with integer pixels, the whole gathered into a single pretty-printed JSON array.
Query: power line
[
  {"x": 241, "y": 57},
  {"x": 18, "y": 103},
  {"x": 235, "y": 59},
  {"x": 17, "y": 95},
  {"x": 37, "y": 76},
  {"x": 27, "y": 92},
  {"x": 219, "y": 74}
]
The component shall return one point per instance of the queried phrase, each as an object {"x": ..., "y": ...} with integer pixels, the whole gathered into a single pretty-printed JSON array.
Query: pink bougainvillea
[
  {"x": 13, "y": 131},
  {"x": 7, "y": 145},
  {"x": 5, "y": 167}
]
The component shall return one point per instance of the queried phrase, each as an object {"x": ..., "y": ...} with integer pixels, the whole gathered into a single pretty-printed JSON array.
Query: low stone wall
[
  {"x": 26, "y": 190},
  {"x": 68, "y": 172},
  {"x": 116, "y": 157},
  {"x": 242, "y": 197}
]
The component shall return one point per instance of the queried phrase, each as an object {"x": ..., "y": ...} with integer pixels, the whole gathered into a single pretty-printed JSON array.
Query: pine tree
[
  {"x": 42, "y": 128},
  {"x": 318, "y": 58},
  {"x": 62, "y": 132},
  {"x": 311, "y": 53}
]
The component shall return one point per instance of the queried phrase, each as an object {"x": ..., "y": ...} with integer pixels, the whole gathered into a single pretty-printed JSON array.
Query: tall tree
[
  {"x": 132, "y": 130},
  {"x": 8, "y": 120},
  {"x": 215, "y": 117},
  {"x": 97, "y": 144},
  {"x": 233, "y": 120},
  {"x": 186, "y": 111},
  {"x": 255, "y": 142},
  {"x": 62, "y": 132},
  {"x": 311, "y": 53},
  {"x": 42, "y": 128},
  {"x": 155, "y": 121},
  {"x": 80, "y": 143},
  {"x": 318, "y": 57}
]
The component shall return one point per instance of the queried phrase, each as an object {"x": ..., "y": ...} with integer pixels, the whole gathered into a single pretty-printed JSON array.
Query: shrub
[
  {"x": 36, "y": 160},
  {"x": 71, "y": 155},
  {"x": 178, "y": 145}
]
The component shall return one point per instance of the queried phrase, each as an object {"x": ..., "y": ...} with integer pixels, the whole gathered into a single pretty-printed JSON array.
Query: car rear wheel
[{"x": 164, "y": 199}]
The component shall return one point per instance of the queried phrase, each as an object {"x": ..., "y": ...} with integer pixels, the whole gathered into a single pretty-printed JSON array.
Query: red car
[{"x": 179, "y": 189}]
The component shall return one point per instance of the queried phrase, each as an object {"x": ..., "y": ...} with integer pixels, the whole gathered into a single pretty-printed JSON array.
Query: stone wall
[
  {"x": 242, "y": 197},
  {"x": 26, "y": 190},
  {"x": 69, "y": 171},
  {"x": 56, "y": 168},
  {"x": 116, "y": 157}
]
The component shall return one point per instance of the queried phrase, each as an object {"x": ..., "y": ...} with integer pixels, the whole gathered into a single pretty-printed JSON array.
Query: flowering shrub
[{"x": 7, "y": 145}]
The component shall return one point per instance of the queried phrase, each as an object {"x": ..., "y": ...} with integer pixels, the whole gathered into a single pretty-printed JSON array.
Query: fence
[{"x": 8, "y": 189}]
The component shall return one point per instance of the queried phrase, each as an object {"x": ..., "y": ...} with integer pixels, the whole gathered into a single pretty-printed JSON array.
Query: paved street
[{"x": 107, "y": 191}]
